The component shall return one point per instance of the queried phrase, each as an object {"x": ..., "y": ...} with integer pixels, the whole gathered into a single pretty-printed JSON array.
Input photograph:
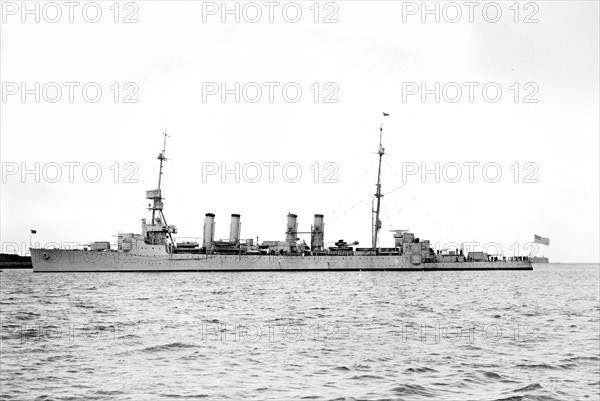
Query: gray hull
[{"x": 61, "y": 260}]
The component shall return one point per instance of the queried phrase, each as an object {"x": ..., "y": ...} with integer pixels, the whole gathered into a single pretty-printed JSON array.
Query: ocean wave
[
  {"x": 423, "y": 369},
  {"x": 168, "y": 347},
  {"x": 413, "y": 390}
]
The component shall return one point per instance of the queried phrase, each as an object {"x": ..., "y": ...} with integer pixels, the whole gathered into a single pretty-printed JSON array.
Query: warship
[{"x": 156, "y": 249}]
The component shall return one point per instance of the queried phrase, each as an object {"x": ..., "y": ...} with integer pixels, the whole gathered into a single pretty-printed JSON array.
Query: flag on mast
[
  {"x": 541, "y": 240},
  {"x": 386, "y": 114},
  {"x": 33, "y": 231}
]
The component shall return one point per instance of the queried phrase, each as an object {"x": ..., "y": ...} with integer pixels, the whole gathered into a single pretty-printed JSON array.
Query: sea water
[{"x": 516, "y": 335}]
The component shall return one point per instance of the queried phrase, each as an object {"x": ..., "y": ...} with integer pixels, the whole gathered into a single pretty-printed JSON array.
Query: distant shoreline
[{"x": 10, "y": 261}]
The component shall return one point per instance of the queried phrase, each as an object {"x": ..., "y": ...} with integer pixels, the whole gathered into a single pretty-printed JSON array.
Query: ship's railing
[{"x": 66, "y": 246}]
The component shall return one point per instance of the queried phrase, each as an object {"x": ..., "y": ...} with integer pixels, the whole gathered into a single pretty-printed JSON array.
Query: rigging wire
[
  {"x": 388, "y": 217},
  {"x": 347, "y": 211},
  {"x": 395, "y": 189},
  {"x": 361, "y": 202}
]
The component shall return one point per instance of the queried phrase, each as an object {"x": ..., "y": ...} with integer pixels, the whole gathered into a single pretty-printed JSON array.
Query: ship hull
[{"x": 62, "y": 260}]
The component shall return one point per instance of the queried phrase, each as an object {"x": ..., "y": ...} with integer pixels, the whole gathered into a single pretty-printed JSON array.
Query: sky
[{"x": 492, "y": 134}]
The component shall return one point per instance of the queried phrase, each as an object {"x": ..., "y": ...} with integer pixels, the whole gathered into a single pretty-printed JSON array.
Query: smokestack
[
  {"x": 317, "y": 234},
  {"x": 209, "y": 231},
  {"x": 291, "y": 231},
  {"x": 234, "y": 229}
]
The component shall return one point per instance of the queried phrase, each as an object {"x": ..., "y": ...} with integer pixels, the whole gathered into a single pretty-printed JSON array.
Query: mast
[
  {"x": 378, "y": 195},
  {"x": 157, "y": 235},
  {"x": 162, "y": 157}
]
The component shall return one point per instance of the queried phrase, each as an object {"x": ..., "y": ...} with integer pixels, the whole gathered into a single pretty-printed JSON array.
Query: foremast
[
  {"x": 375, "y": 210},
  {"x": 157, "y": 232},
  {"x": 162, "y": 156}
]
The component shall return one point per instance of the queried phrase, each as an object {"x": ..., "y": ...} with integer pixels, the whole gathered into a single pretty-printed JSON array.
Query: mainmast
[{"x": 378, "y": 195}]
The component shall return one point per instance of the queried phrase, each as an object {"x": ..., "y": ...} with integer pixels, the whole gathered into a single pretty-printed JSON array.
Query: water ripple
[{"x": 313, "y": 335}]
